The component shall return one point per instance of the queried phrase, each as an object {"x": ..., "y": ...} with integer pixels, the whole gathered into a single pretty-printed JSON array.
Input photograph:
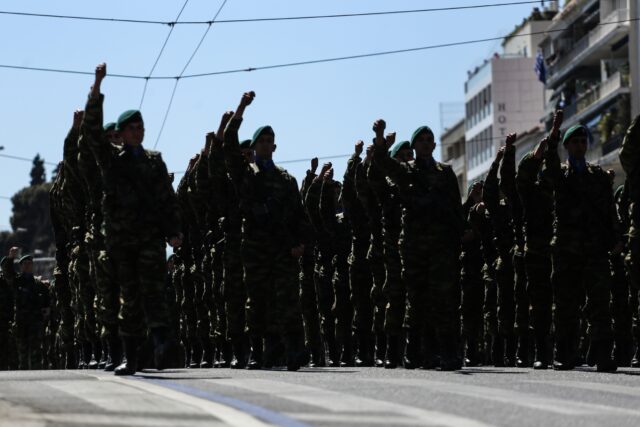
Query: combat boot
[
  {"x": 292, "y": 349},
  {"x": 510, "y": 351},
  {"x": 104, "y": 359},
  {"x": 364, "y": 358},
  {"x": 271, "y": 351},
  {"x": 449, "y": 359},
  {"x": 522, "y": 356},
  {"x": 635, "y": 362},
  {"x": 255, "y": 357},
  {"x": 472, "y": 358},
  {"x": 392, "y": 355},
  {"x": 196, "y": 355},
  {"x": 334, "y": 353},
  {"x": 207, "y": 354},
  {"x": 381, "y": 349},
  {"x": 497, "y": 351},
  {"x": 161, "y": 345},
  {"x": 95, "y": 355},
  {"x": 318, "y": 357},
  {"x": 346, "y": 357},
  {"x": 622, "y": 351},
  {"x": 239, "y": 361},
  {"x": 226, "y": 355},
  {"x": 130, "y": 366},
  {"x": 541, "y": 361},
  {"x": 412, "y": 350},
  {"x": 604, "y": 362},
  {"x": 565, "y": 358},
  {"x": 115, "y": 353}
]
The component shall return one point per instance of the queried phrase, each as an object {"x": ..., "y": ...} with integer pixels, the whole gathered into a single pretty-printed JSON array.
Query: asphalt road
[{"x": 321, "y": 397}]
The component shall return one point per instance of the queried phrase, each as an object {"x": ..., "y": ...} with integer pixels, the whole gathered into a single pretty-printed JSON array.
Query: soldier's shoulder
[
  {"x": 443, "y": 167},
  {"x": 153, "y": 154}
]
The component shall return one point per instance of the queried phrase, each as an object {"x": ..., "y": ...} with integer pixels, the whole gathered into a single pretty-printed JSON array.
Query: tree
[
  {"x": 31, "y": 220},
  {"x": 38, "y": 173}
]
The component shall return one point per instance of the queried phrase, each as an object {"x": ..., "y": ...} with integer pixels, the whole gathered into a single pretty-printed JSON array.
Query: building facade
[{"x": 452, "y": 152}]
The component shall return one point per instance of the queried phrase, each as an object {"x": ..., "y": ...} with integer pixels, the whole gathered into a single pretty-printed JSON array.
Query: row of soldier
[{"x": 387, "y": 268}]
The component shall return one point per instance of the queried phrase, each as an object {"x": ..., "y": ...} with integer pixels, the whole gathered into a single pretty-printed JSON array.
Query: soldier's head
[
  {"x": 26, "y": 264},
  {"x": 263, "y": 142},
  {"x": 402, "y": 151},
  {"x": 247, "y": 151},
  {"x": 424, "y": 142},
  {"x": 130, "y": 127},
  {"x": 112, "y": 134},
  {"x": 575, "y": 141}
]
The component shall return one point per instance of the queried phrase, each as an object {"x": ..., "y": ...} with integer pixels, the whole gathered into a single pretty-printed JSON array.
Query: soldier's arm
[
  {"x": 349, "y": 196},
  {"x": 301, "y": 228},
  {"x": 508, "y": 170},
  {"x": 377, "y": 182},
  {"x": 233, "y": 159},
  {"x": 312, "y": 203},
  {"x": 528, "y": 171},
  {"x": 91, "y": 131},
  {"x": 455, "y": 201},
  {"x": 630, "y": 151},
  {"x": 70, "y": 150},
  {"x": 552, "y": 167},
  {"x": 170, "y": 217},
  {"x": 8, "y": 269}
]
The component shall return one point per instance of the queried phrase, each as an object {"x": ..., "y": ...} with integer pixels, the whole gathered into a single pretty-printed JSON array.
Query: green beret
[
  {"x": 129, "y": 116},
  {"x": 245, "y": 144},
  {"x": 418, "y": 132},
  {"x": 618, "y": 193},
  {"x": 110, "y": 126},
  {"x": 398, "y": 146},
  {"x": 572, "y": 130},
  {"x": 25, "y": 258},
  {"x": 260, "y": 131}
]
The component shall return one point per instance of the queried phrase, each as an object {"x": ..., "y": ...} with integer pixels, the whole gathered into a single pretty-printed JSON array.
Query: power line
[
  {"x": 175, "y": 86},
  {"x": 24, "y": 159},
  {"x": 275, "y": 19},
  {"x": 310, "y": 62},
  {"x": 5, "y": 198},
  {"x": 166, "y": 40}
]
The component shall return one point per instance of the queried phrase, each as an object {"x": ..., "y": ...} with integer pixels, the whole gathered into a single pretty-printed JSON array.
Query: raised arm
[
  {"x": 630, "y": 151},
  {"x": 91, "y": 131},
  {"x": 491, "y": 189},
  {"x": 396, "y": 171},
  {"x": 233, "y": 159},
  {"x": 552, "y": 159}
]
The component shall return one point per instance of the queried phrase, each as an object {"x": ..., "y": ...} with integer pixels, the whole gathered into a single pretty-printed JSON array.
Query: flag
[{"x": 541, "y": 70}]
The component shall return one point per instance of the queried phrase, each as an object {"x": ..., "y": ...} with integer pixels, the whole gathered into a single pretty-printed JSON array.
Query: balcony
[
  {"x": 595, "y": 44},
  {"x": 602, "y": 91}
]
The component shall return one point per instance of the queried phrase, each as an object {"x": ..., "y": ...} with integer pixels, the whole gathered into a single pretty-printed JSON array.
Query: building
[
  {"x": 452, "y": 150},
  {"x": 504, "y": 95},
  {"x": 586, "y": 51}
]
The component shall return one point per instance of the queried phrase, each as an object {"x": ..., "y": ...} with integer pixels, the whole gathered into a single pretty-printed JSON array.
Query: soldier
[
  {"x": 140, "y": 212},
  {"x": 583, "y": 237},
  {"x": 31, "y": 309},
  {"x": 272, "y": 241},
  {"x": 430, "y": 241},
  {"x": 6, "y": 318},
  {"x": 536, "y": 194}
]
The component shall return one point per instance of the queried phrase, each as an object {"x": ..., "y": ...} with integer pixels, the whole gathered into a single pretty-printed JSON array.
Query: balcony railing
[
  {"x": 604, "y": 89},
  {"x": 592, "y": 38}
]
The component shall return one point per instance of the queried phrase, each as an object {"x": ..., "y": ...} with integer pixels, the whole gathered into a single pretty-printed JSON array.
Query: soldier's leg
[
  {"x": 257, "y": 262},
  {"x": 235, "y": 297},
  {"x": 415, "y": 271},
  {"x": 35, "y": 344},
  {"x": 597, "y": 280},
  {"x": 203, "y": 322},
  {"x": 621, "y": 311},
  {"x": 632, "y": 264},
  {"x": 506, "y": 307},
  {"x": 221, "y": 319},
  {"x": 207, "y": 310},
  {"x": 378, "y": 273},
  {"x": 538, "y": 269},
  {"x": 309, "y": 305},
  {"x": 472, "y": 286},
  {"x": 4, "y": 345},
  {"x": 326, "y": 298},
  {"x": 61, "y": 276},
  {"x": 493, "y": 344},
  {"x": 343, "y": 310},
  {"x": 87, "y": 296},
  {"x": 361, "y": 282},
  {"x": 567, "y": 285},
  {"x": 191, "y": 318},
  {"x": 395, "y": 295},
  {"x": 522, "y": 314},
  {"x": 109, "y": 289}
]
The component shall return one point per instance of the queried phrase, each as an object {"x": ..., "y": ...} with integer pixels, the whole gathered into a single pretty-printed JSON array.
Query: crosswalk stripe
[
  {"x": 513, "y": 397},
  {"x": 338, "y": 402}
]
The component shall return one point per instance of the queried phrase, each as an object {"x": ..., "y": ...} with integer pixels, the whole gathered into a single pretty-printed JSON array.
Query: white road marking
[
  {"x": 513, "y": 397},
  {"x": 353, "y": 419},
  {"x": 338, "y": 402},
  {"x": 607, "y": 388},
  {"x": 110, "y": 420}
]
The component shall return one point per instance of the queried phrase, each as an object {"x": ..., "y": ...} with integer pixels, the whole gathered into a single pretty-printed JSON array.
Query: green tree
[{"x": 38, "y": 173}]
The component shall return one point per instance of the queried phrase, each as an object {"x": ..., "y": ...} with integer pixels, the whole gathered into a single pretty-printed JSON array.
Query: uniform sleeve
[
  {"x": 552, "y": 167},
  {"x": 233, "y": 159},
  {"x": 527, "y": 176},
  {"x": 328, "y": 208},
  {"x": 508, "y": 175},
  {"x": 491, "y": 190},
  {"x": 312, "y": 203},
  {"x": 630, "y": 151},
  {"x": 395, "y": 170},
  {"x": 301, "y": 227},
  {"x": 455, "y": 200},
  {"x": 168, "y": 202},
  {"x": 377, "y": 182},
  {"x": 92, "y": 133}
]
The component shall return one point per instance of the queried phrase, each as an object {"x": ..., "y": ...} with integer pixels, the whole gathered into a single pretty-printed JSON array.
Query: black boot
[
  {"x": 293, "y": 345},
  {"x": 381, "y": 349},
  {"x": 196, "y": 355},
  {"x": 449, "y": 359},
  {"x": 497, "y": 351},
  {"x": 130, "y": 366},
  {"x": 510, "y": 351},
  {"x": 392, "y": 355},
  {"x": 239, "y": 361},
  {"x": 207, "y": 354},
  {"x": 541, "y": 361},
  {"x": 161, "y": 345},
  {"x": 472, "y": 357},
  {"x": 334, "y": 353},
  {"x": 318, "y": 357},
  {"x": 104, "y": 359},
  {"x": 271, "y": 351},
  {"x": 115, "y": 353},
  {"x": 604, "y": 362},
  {"x": 565, "y": 358},
  {"x": 412, "y": 351},
  {"x": 255, "y": 357},
  {"x": 226, "y": 355},
  {"x": 364, "y": 358},
  {"x": 635, "y": 362},
  {"x": 522, "y": 357},
  {"x": 622, "y": 351}
]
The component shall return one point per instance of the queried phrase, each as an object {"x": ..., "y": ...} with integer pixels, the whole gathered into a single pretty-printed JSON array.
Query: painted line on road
[
  {"x": 601, "y": 387},
  {"x": 347, "y": 404},
  {"x": 513, "y": 397}
]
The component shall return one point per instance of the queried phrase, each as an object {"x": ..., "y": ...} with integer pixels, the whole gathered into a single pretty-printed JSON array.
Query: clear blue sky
[{"x": 315, "y": 110}]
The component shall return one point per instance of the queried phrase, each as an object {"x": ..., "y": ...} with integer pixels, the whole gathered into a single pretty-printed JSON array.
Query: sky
[{"x": 316, "y": 110}]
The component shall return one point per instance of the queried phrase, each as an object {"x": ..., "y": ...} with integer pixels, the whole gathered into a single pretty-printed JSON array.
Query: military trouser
[
  {"x": 5, "y": 337},
  {"x": 361, "y": 284},
  {"x": 29, "y": 339},
  {"x": 63, "y": 290},
  {"x": 271, "y": 279},
  {"x": 203, "y": 293},
  {"x": 574, "y": 277},
  {"x": 188, "y": 306},
  {"x": 140, "y": 270},
  {"x": 632, "y": 262},
  {"x": 309, "y": 301},
  {"x": 538, "y": 270},
  {"x": 620, "y": 292},
  {"x": 342, "y": 308},
  {"x": 393, "y": 290},
  {"x": 430, "y": 270},
  {"x": 88, "y": 329},
  {"x": 375, "y": 256},
  {"x": 216, "y": 303},
  {"x": 472, "y": 285},
  {"x": 235, "y": 294},
  {"x": 506, "y": 296},
  {"x": 108, "y": 290},
  {"x": 522, "y": 302},
  {"x": 322, "y": 276}
]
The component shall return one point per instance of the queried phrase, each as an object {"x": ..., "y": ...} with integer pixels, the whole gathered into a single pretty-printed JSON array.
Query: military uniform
[{"x": 6, "y": 318}]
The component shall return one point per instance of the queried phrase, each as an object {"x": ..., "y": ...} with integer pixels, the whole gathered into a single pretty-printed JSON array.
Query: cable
[
  {"x": 24, "y": 159},
  {"x": 287, "y": 18},
  {"x": 5, "y": 198},
  {"x": 166, "y": 40},
  {"x": 317, "y": 61},
  {"x": 175, "y": 86}
]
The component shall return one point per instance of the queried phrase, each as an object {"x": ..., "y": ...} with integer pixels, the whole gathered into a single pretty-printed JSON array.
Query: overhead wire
[
  {"x": 175, "y": 86},
  {"x": 164, "y": 45},
  {"x": 273, "y": 19},
  {"x": 24, "y": 159}
]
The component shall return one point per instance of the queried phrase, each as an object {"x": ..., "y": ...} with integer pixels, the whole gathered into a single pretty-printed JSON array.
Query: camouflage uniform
[
  {"x": 140, "y": 211},
  {"x": 273, "y": 224},
  {"x": 31, "y": 297},
  {"x": 432, "y": 226},
  {"x": 6, "y": 318},
  {"x": 536, "y": 195}
]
